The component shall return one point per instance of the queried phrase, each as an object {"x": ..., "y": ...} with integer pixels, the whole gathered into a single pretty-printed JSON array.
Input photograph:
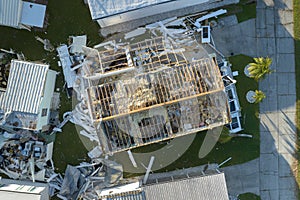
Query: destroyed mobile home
[
  {"x": 27, "y": 99},
  {"x": 149, "y": 91},
  {"x": 26, "y": 158},
  {"x": 28, "y": 106},
  {"x": 135, "y": 93},
  {"x": 130, "y": 94}
]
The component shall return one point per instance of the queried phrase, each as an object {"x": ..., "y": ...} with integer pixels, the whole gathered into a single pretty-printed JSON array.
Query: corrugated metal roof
[
  {"x": 25, "y": 87},
  {"x": 211, "y": 187},
  {"x": 104, "y": 8},
  {"x": 137, "y": 196},
  {"x": 10, "y": 12}
]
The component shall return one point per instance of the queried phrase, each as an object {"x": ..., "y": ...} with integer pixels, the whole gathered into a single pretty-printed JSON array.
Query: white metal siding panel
[
  {"x": 25, "y": 87},
  {"x": 211, "y": 187},
  {"x": 104, "y": 8},
  {"x": 141, "y": 12},
  {"x": 47, "y": 99},
  {"x": 10, "y": 12}
]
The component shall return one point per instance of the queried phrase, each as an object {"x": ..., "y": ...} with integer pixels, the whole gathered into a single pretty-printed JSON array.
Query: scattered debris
[
  {"x": 26, "y": 157},
  {"x": 162, "y": 61},
  {"x": 210, "y": 15},
  {"x": 129, "y": 95},
  {"x": 47, "y": 45},
  {"x": 21, "y": 189},
  {"x": 88, "y": 179}
]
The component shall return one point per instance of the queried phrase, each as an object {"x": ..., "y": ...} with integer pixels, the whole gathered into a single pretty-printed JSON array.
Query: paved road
[
  {"x": 274, "y": 38},
  {"x": 272, "y": 174},
  {"x": 243, "y": 178},
  {"x": 274, "y": 30},
  {"x": 228, "y": 39}
]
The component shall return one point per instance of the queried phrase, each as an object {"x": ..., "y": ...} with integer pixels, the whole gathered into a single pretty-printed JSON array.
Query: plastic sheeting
[{"x": 72, "y": 183}]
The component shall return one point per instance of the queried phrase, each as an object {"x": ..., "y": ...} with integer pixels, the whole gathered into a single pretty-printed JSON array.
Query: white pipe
[
  {"x": 31, "y": 162},
  {"x": 148, "y": 169},
  {"x": 6, "y": 51},
  {"x": 242, "y": 135},
  {"x": 132, "y": 158},
  {"x": 77, "y": 66},
  {"x": 210, "y": 15},
  {"x": 52, "y": 177},
  {"x": 86, "y": 165},
  {"x": 224, "y": 162},
  {"x": 113, "y": 73}
]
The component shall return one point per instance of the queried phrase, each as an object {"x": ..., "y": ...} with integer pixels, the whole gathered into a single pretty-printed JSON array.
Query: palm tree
[
  {"x": 259, "y": 96},
  {"x": 260, "y": 67}
]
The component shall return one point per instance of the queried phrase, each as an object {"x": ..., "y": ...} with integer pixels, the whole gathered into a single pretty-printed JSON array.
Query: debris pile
[
  {"x": 27, "y": 157},
  {"x": 86, "y": 180}
]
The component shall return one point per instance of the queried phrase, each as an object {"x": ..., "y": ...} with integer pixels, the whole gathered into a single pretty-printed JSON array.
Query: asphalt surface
[{"x": 272, "y": 176}]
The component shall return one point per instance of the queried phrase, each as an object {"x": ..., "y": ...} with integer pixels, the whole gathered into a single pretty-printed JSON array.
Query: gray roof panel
[{"x": 211, "y": 187}]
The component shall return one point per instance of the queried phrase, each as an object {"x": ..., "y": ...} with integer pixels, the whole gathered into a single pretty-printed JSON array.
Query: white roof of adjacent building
[
  {"x": 25, "y": 87},
  {"x": 114, "y": 12},
  {"x": 23, "y": 190},
  {"x": 212, "y": 187},
  {"x": 33, "y": 14},
  {"x": 104, "y": 8},
  {"x": 8, "y": 195},
  {"x": 10, "y": 12}
]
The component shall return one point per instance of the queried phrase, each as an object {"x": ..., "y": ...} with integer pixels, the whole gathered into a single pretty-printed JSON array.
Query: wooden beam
[{"x": 159, "y": 105}]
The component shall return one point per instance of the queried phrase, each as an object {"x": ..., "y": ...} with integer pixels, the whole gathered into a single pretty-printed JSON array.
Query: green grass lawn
[
  {"x": 71, "y": 17},
  {"x": 249, "y": 196},
  {"x": 68, "y": 148},
  {"x": 297, "y": 57},
  {"x": 250, "y": 112},
  {"x": 67, "y": 17},
  {"x": 240, "y": 149},
  {"x": 244, "y": 10}
]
